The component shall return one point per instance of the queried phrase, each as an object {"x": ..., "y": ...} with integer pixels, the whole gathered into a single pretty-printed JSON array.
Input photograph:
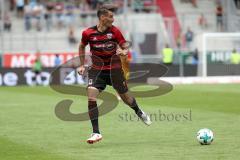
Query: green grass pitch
[{"x": 29, "y": 129}]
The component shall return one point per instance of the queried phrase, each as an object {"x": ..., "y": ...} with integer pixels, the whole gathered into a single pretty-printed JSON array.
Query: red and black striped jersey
[{"x": 103, "y": 46}]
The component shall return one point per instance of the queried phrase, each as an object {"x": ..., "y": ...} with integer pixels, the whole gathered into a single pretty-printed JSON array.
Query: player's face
[{"x": 108, "y": 19}]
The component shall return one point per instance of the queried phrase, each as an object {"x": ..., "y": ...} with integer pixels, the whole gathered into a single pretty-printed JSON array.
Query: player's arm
[
  {"x": 81, "y": 52},
  {"x": 123, "y": 45}
]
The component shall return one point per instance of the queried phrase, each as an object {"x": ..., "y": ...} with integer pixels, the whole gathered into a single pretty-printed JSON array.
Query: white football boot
[
  {"x": 145, "y": 118},
  {"x": 95, "y": 137}
]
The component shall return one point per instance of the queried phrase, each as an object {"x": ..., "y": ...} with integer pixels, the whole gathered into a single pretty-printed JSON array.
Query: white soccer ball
[{"x": 205, "y": 136}]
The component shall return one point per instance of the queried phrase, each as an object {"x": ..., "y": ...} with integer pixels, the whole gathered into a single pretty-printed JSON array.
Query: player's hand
[
  {"x": 81, "y": 70},
  {"x": 121, "y": 52}
]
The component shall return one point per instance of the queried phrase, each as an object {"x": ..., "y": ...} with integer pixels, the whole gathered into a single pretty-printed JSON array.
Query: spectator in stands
[
  {"x": 20, "y": 7},
  {"x": 194, "y": 3},
  {"x": 57, "y": 60},
  {"x": 38, "y": 14},
  {"x": 7, "y": 22},
  {"x": 93, "y": 4},
  {"x": 27, "y": 17},
  {"x": 137, "y": 5},
  {"x": 148, "y": 6},
  {"x": 195, "y": 56},
  {"x": 168, "y": 55},
  {"x": 179, "y": 40},
  {"x": 12, "y": 5},
  {"x": 202, "y": 21},
  {"x": 59, "y": 9},
  {"x": 120, "y": 5},
  {"x": 71, "y": 36},
  {"x": 84, "y": 9},
  {"x": 189, "y": 38},
  {"x": 237, "y": 3},
  {"x": 69, "y": 7},
  {"x": 219, "y": 17},
  {"x": 235, "y": 57},
  {"x": 48, "y": 15}
]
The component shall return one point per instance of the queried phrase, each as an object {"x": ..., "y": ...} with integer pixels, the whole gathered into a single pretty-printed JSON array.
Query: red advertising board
[{"x": 19, "y": 60}]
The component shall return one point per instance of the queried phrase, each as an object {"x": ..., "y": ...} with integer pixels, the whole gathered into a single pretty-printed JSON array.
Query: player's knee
[
  {"x": 92, "y": 99},
  {"x": 92, "y": 94}
]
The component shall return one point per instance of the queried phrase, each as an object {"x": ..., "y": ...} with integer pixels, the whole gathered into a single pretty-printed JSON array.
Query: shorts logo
[{"x": 90, "y": 82}]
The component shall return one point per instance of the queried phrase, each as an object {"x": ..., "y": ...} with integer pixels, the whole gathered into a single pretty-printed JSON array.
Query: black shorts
[{"x": 101, "y": 78}]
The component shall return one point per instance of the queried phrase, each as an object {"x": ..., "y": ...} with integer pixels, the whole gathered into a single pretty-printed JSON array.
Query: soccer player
[{"x": 106, "y": 45}]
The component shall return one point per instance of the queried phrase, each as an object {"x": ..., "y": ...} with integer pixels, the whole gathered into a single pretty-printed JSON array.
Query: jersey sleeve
[
  {"x": 119, "y": 37},
  {"x": 85, "y": 38}
]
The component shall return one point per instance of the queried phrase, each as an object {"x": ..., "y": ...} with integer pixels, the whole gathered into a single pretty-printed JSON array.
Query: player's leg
[
  {"x": 92, "y": 107},
  {"x": 93, "y": 114},
  {"x": 132, "y": 103},
  {"x": 96, "y": 84},
  {"x": 120, "y": 85}
]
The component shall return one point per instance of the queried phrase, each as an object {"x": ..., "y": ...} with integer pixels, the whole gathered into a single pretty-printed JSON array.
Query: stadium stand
[{"x": 55, "y": 26}]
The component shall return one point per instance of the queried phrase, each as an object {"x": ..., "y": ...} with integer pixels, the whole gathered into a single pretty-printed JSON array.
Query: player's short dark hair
[{"x": 104, "y": 9}]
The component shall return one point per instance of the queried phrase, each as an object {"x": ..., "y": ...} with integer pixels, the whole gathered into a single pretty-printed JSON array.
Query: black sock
[
  {"x": 93, "y": 115},
  {"x": 135, "y": 107}
]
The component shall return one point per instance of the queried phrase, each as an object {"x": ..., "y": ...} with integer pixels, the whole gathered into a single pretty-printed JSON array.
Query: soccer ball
[{"x": 205, "y": 136}]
